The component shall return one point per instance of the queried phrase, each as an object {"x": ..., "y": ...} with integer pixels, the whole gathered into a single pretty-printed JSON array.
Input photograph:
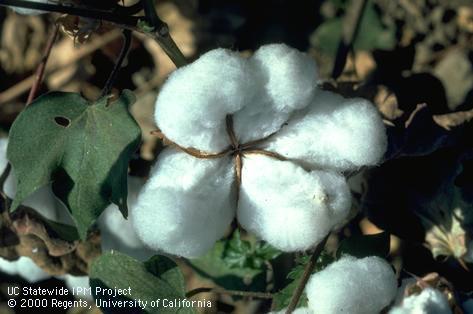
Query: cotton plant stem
[
  {"x": 161, "y": 34},
  {"x": 259, "y": 295},
  {"x": 159, "y": 30},
  {"x": 39, "y": 75},
  {"x": 95, "y": 14},
  {"x": 309, "y": 268},
  {"x": 118, "y": 65}
]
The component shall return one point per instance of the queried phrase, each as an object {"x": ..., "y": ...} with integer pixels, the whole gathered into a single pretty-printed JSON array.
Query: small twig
[
  {"x": 250, "y": 294},
  {"x": 351, "y": 26},
  {"x": 118, "y": 65},
  {"x": 309, "y": 268},
  {"x": 160, "y": 31},
  {"x": 39, "y": 75}
]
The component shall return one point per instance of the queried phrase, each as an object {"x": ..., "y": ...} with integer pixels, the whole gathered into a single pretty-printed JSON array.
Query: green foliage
[
  {"x": 240, "y": 253},
  {"x": 236, "y": 264},
  {"x": 365, "y": 245},
  {"x": 157, "y": 278},
  {"x": 83, "y": 148},
  {"x": 372, "y": 33},
  {"x": 283, "y": 298}
]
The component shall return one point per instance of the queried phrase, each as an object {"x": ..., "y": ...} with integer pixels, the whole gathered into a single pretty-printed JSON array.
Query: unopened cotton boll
[
  {"x": 288, "y": 82},
  {"x": 30, "y": 11},
  {"x": 116, "y": 232},
  {"x": 25, "y": 268},
  {"x": 288, "y": 207},
  {"x": 351, "y": 285},
  {"x": 429, "y": 301},
  {"x": 333, "y": 132},
  {"x": 186, "y": 205},
  {"x": 193, "y": 103}
]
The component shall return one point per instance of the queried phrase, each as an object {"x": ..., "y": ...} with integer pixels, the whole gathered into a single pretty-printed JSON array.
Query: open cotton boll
[
  {"x": 288, "y": 78},
  {"x": 351, "y": 285},
  {"x": 429, "y": 301},
  {"x": 288, "y": 207},
  {"x": 333, "y": 132},
  {"x": 116, "y": 232},
  {"x": 186, "y": 205},
  {"x": 3, "y": 154},
  {"x": 193, "y": 103},
  {"x": 23, "y": 267},
  {"x": 30, "y": 11}
]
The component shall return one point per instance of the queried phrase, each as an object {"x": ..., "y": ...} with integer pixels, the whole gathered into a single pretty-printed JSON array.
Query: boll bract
[
  {"x": 351, "y": 285},
  {"x": 117, "y": 232},
  {"x": 30, "y": 11},
  {"x": 429, "y": 301},
  {"x": 256, "y": 138},
  {"x": 25, "y": 268}
]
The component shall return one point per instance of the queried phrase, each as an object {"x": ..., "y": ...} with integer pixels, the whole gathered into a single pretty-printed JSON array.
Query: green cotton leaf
[
  {"x": 157, "y": 278},
  {"x": 213, "y": 266},
  {"x": 240, "y": 253},
  {"x": 283, "y": 297},
  {"x": 372, "y": 34},
  {"x": 365, "y": 245},
  {"x": 83, "y": 148}
]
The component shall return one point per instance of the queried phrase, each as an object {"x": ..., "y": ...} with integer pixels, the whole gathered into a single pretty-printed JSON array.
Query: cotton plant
[
  {"x": 429, "y": 301},
  {"x": 257, "y": 139}
]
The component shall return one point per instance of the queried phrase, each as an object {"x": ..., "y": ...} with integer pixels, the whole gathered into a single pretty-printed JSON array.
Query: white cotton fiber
[
  {"x": 333, "y": 132},
  {"x": 74, "y": 282},
  {"x": 299, "y": 310},
  {"x": 186, "y": 205},
  {"x": 116, "y": 232},
  {"x": 194, "y": 101},
  {"x": 288, "y": 81},
  {"x": 29, "y": 11},
  {"x": 291, "y": 76},
  {"x": 23, "y": 267},
  {"x": 351, "y": 285},
  {"x": 288, "y": 207},
  {"x": 429, "y": 301},
  {"x": 42, "y": 201},
  {"x": 3, "y": 154}
]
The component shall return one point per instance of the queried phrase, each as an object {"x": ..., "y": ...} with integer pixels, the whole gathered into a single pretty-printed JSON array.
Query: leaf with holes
[{"x": 83, "y": 148}]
